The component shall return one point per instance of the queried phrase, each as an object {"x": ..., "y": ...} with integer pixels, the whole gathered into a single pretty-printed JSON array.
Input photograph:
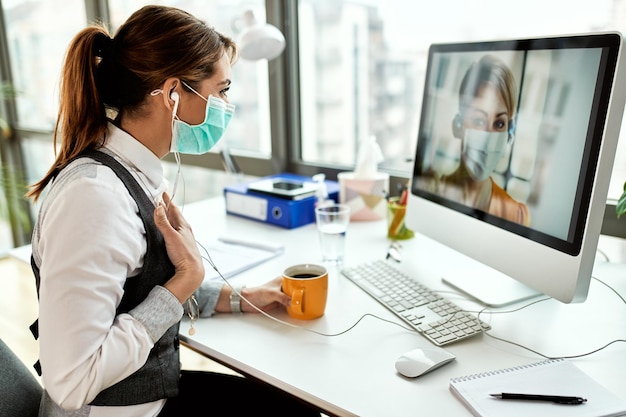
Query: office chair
[{"x": 20, "y": 393}]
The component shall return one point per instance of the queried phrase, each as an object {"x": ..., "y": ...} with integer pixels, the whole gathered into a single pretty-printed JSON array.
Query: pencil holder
[{"x": 396, "y": 229}]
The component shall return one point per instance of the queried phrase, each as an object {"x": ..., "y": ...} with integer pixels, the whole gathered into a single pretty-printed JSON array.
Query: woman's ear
[
  {"x": 457, "y": 127},
  {"x": 171, "y": 95}
]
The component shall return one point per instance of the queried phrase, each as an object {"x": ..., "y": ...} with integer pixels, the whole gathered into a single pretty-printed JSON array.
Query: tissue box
[
  {"x": 272, "y": 209},
  {"x": 366, "y": 197}
]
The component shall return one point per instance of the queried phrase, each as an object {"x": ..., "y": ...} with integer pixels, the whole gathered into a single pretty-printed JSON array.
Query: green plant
[
  {"x": 6, "y": 175},
  {"x": 14, "y": 207},
  {"x": 6, "y": 91},
  {"x": 13, "y": 187},
  {"x": 620, "y": 208}
]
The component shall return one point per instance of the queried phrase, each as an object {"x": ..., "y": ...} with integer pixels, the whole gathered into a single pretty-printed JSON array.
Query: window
[
  {"x": 249, "y": 131},
  {"x": 352, "y": 69},
  {"x": 38, "y": 34},
  {"x": 362, "y": 66}
]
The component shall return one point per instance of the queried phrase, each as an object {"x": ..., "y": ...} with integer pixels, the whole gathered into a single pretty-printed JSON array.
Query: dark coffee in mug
[{"x": 307, "y": 285}]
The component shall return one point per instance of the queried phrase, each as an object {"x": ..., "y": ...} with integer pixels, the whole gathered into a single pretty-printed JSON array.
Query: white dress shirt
[{"x": 88, "y": 239}]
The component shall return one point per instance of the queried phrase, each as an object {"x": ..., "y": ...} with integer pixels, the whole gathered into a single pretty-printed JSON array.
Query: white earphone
[{"x": 174, "y": 96}]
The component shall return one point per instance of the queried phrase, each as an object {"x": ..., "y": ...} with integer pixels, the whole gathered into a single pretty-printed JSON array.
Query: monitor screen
[{"x": 514, "y": 154}]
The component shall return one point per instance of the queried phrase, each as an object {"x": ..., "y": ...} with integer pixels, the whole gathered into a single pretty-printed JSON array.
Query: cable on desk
[
  {"x": 479, "y": 312},
  {"x": 487, "y": 333},
  {"x": 610, "y": 288},
  {"x": 210, "y": 261}
]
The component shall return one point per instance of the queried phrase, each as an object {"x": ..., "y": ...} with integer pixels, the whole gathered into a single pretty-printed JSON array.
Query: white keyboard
[{"x": 436, "y": 317}]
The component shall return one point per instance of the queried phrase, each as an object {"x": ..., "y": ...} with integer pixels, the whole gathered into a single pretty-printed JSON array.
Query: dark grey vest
[{"x": 158, "y": 378}]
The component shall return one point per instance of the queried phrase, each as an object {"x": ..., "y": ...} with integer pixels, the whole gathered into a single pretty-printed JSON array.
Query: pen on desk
[
  {"x": 533, "y": 397},
  {"x": 268, "y": 246}
]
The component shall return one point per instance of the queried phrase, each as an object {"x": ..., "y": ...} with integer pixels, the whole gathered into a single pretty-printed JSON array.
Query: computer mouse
[{"x": 419, "y": 361}]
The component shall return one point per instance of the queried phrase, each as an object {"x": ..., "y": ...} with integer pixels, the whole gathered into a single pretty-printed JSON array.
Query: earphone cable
[
  {"x": 478, "y": 313},
  {"x": 212, "y": 264}
]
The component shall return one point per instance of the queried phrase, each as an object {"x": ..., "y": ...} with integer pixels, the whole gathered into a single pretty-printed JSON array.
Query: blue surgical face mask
[
  {"x": 199, "y": 139},
  {"x": 482, "y": 150}
]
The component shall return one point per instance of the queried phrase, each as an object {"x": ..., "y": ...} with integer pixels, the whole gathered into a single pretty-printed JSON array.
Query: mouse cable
[
  {"x": 295, "y": 326},
  {"x": 482, "y": 311},
  {"x": 603, "y": 253},
  {"x": 487, "y": 333}
]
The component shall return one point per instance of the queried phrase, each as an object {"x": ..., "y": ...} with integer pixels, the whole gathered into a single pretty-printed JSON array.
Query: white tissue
[
  {"x": 368, "y": 159},
  {"x": 321, "y": 195}
]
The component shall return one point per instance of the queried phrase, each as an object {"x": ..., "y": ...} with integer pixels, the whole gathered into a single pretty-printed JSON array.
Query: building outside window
[
  {"x": 361, "y": 72},
  {"x": 363, "y": 62}
]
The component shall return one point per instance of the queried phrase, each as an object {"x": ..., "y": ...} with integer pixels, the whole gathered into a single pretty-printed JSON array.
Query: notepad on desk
[
  {"x": 552, "y": 377},
  {"x": 232, "y": 255}
]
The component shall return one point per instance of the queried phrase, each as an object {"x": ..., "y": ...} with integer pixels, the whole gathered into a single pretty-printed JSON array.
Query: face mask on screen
[{"x": 482, "y": 150}]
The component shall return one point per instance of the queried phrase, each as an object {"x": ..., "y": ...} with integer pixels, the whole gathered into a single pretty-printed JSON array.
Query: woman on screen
[
  {"x": 485, "y": 123},
  {"x": 117, "y": 264}
]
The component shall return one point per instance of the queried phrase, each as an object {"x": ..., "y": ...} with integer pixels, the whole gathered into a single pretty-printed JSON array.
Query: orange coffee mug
[{"x": 307, "y": 285}]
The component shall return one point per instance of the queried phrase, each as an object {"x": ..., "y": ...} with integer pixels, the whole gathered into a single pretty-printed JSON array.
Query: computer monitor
[{"x": 515, "y": 150}]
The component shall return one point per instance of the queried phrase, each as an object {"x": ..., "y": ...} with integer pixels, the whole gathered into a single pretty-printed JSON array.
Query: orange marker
[{"x": 404, "y": 197}]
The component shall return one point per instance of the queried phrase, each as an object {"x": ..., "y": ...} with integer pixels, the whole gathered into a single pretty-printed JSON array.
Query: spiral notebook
[{"x": 551, "y": 377}]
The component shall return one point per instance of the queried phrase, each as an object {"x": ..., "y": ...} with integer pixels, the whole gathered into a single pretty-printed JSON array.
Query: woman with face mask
[
  {"x": 115, "y": 262},
  {"x": 485, "y": 125}
]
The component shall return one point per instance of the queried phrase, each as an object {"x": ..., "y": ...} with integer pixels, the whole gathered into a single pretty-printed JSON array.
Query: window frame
[
  {"x": 11, "y": 152},
  {"x": 277, "y": 70},
  {"x": 295, "y": 163},
  {"x": 285, "y": 117},
  {"x": 611, "y": 225}
]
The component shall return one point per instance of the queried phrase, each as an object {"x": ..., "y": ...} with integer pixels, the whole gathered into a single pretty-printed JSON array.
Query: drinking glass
[{"x": 332, "y": 222}]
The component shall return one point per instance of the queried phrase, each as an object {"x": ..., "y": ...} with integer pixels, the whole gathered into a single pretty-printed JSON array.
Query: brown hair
[
  {"x": 100, "y": 73},
  {"x": 489, "y": 69}
]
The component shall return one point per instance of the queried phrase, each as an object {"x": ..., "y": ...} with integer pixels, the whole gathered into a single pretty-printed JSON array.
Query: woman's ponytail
[
  {"x": 82, "y": 120},
  {"x": 101, "y": 73}
]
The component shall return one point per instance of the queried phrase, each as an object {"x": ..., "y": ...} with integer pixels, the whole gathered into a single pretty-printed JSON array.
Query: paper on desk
[
  {"x": 21, "y": 253},
  {"x": 233, "y": 256}
]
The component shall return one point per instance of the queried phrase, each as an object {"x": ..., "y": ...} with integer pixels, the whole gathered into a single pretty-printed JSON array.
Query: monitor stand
[{"x": 489, "y": 287}]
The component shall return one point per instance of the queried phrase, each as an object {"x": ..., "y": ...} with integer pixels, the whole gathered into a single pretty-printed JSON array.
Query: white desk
[{"x": 354, "y": 374}]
